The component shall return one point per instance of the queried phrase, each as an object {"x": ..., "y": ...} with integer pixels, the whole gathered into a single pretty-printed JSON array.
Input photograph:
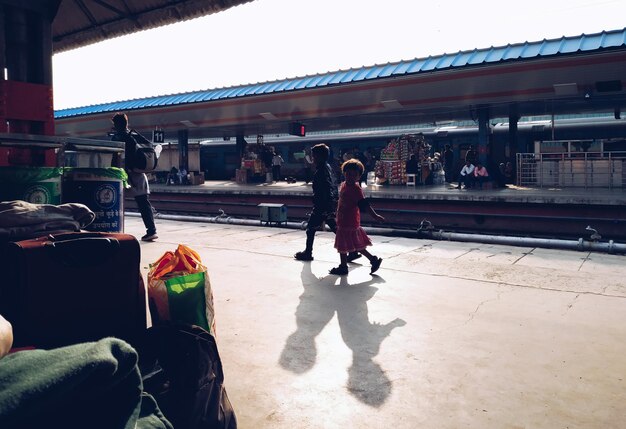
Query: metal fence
[{"x": 572, "y": 170}]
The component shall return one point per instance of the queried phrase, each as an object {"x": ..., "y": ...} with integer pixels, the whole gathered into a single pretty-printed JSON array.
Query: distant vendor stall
[
  {"x": 391, "y": 168},
  {"x": 255, "y": 164}
]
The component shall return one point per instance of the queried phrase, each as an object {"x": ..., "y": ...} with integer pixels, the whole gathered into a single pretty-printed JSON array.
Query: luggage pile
[{"x": 64, "y": 287}]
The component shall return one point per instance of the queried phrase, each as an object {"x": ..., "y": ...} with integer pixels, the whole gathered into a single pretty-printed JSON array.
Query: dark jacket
[{"x": 325, "y": 192}]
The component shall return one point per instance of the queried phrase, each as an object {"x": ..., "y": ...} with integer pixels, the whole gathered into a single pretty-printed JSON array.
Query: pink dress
[{"x": 350, "y": 236}]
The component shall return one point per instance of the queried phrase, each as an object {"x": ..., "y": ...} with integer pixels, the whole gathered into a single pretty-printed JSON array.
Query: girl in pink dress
[{"x": 350, "y": 237}]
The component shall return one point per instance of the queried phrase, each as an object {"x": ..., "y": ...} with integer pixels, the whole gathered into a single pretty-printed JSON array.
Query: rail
[{"x": 572, "y": 170}]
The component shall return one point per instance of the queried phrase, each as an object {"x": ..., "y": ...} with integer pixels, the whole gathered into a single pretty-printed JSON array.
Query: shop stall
[{"x": 391, "y": 168}]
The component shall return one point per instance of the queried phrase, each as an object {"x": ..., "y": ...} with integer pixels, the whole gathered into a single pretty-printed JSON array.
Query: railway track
[{"x": 541, "y": 220}]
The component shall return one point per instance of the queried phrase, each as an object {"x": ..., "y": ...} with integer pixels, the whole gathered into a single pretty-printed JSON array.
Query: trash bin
[
  {"x": 100, "y": 189},
  {"x": 37, "y": 185}
]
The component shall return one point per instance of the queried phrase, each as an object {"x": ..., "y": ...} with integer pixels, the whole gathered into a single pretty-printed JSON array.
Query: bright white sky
[{"x": 275, "y": 39}]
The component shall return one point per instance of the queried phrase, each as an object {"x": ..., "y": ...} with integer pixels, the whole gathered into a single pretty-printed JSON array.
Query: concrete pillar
[
  {"x": 183, "y": 149},
  {"x": 483, "y": 133}
]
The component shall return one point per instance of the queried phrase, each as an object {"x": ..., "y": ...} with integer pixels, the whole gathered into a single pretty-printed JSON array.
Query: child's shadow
[{"x": 318, "y": 303}]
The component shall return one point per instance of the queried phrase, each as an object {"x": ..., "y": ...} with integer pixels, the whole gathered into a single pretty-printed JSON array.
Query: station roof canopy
[
  {"x": 566, "y": 75},
  {"x": 79, "y": 23}
]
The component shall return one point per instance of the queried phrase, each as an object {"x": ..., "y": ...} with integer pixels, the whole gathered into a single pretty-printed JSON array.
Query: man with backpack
[{"x": 134, "y": 167}]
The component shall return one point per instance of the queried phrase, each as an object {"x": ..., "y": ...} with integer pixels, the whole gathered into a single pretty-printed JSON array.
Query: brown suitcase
[{"x": 71, "y": 288}]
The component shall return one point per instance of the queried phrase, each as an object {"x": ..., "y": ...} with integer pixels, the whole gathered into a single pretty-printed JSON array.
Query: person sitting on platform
[
  {"x": 466, "y": 176},
  {"x": 508, "y": 172},
  {"x": 172, "y": 177},
  {"x": 480, "y": 174},
  {"x": 182, "y": 177},
  {"x": 497, "y": 174}
]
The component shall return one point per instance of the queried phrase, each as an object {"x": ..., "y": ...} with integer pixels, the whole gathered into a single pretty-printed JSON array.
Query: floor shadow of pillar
[{"x": 320, "y": 299}]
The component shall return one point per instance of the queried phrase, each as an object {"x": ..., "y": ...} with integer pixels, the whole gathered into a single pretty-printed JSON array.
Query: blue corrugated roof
[{"x": 518, "y": 51}]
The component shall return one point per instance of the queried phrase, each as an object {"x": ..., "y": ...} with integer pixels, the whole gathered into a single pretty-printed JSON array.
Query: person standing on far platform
[
  {"x": 448, "y": 163},
  {"x": 139, "y": 188},
  {"x": 412, "y": 166},
  {"x": 308, "y": 165},
  {"x": 324, "y": 202},
  {"x": 277, "y": 162},
  {"x": 471, "y": 155},
  {"x": 350, "y": 236}
]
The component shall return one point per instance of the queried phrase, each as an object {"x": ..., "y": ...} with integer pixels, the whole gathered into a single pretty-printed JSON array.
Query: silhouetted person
[{"x": 139, "y": 188}]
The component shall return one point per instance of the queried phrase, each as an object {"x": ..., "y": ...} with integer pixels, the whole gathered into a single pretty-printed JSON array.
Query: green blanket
[{"x": 90, "y": 385}]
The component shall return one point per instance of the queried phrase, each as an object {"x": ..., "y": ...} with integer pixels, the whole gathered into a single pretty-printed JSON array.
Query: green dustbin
[{"x": 38, "y": 185}]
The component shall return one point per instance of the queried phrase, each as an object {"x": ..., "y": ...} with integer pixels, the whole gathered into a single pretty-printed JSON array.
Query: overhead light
[
  {"x": 565, "y": 88},
  {"x": 391, "y": 104},
  {"x": 188, "y": 124},
  {"x": 268, "y": 115}
]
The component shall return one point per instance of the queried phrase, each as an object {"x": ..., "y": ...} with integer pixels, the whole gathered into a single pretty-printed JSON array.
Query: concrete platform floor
[{"x": 446, "y": 335}]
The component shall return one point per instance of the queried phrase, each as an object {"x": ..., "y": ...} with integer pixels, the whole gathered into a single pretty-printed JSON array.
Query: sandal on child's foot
[
  {"x": 341, "y": 270},
  {"x": 376, "y": 264},
  {"x": 303, "y": 256}
]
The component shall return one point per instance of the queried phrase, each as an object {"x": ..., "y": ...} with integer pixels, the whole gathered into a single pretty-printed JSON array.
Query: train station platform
[
  {"x": 445, "y": 335},
  {"x": 448, "y": 192}
]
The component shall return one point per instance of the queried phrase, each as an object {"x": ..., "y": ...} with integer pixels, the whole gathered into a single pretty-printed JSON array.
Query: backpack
[
  {"x": 182, "y": 369},
  {"x": 145, "y": 158}
]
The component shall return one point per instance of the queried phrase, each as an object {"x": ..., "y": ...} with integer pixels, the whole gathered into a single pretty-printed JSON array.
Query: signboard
[{"x": 158, "y": 136}]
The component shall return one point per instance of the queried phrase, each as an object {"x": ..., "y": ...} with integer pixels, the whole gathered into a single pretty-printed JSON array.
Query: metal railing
[{"x": 572, "y": 170}]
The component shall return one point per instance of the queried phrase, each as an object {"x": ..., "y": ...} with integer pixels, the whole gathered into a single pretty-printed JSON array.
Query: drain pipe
[
  {"x": 425, "y": 231},
  {"x": 580, "y": 244}
]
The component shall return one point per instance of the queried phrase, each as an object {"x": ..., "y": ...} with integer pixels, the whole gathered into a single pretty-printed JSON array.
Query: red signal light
[{"x": 297, "y": 129}]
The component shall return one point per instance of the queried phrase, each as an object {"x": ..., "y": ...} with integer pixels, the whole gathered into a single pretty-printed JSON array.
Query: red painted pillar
[{"x": 26, "y": 70}]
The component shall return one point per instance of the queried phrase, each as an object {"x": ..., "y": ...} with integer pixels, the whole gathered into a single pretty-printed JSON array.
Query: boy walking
[{"x": 325, "y": 198}]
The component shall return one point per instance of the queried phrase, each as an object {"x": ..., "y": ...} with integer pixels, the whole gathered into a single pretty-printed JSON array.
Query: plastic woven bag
[{"x": 179, "y": 289}]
